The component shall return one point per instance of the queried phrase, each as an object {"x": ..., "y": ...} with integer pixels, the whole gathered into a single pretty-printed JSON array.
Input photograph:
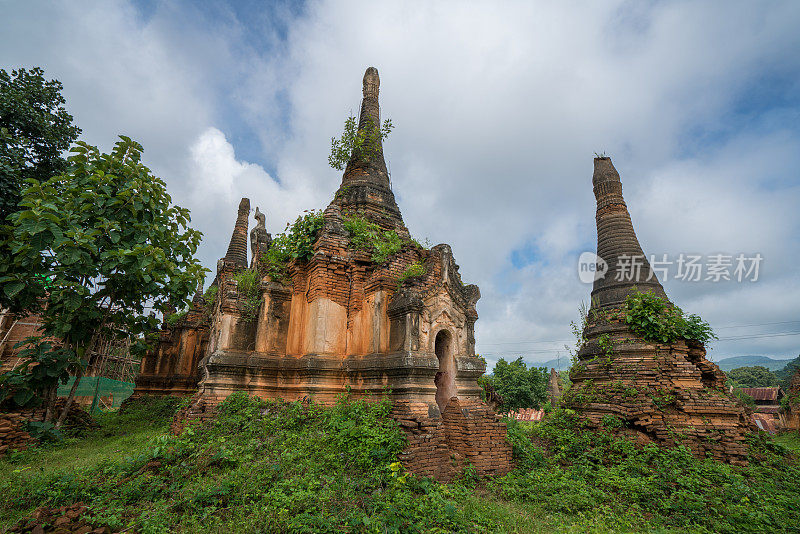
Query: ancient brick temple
[
  {"x": 171, "y": 366},
  {"x": 344, "y": 321},
  {"x": 664, "y": 393}
]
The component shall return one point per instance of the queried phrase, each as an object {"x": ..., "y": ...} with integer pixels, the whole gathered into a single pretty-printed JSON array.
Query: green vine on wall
[
  {"x": 248, "y": 283},
  {"x": 606, "y": 345}
]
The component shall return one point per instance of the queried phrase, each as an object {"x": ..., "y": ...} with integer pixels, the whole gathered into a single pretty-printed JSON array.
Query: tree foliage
[
  {"x": 756, "y": 376},
  {"x": 518, "y": 385},
  {"x": 90, "y": 249},
  {"x": 785, "y": 375},
  {"x": 35, "y": 129}
]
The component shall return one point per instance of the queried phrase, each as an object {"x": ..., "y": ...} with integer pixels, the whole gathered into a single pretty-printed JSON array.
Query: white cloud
[
  {"x": 497, "y": 112},
  {"x": 219, "y": 181}
]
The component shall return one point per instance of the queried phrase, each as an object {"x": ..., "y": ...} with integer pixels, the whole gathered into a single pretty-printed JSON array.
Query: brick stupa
[
  {"x": 669, "y": 394},
  {"x": 346, "y": 322}
]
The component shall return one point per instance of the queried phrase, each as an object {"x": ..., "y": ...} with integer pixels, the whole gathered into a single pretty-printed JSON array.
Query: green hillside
[
  {"x": 285, "y": 467},
  {"x": 726, "y": 364}
]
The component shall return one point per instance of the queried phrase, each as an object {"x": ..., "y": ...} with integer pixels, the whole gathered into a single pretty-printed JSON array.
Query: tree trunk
[
  {"x": 63, "y": 416},
  {"x": 50, "y": 401}
]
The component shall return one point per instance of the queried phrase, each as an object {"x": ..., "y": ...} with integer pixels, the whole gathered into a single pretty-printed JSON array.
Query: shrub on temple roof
[
  {"x": 175, "y": 318},
  {"x": 415, "y": 270},
  {"x": 248, "y": 283},
  {"x": 657, "y": 320},
  {"x": 296, "y": 243},
  {"x": 369, "y": 237}
]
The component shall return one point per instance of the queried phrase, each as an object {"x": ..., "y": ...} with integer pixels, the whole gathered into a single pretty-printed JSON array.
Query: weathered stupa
[
  {"x": 348, "y": 319},
  {"x": 667, "y": 393}
]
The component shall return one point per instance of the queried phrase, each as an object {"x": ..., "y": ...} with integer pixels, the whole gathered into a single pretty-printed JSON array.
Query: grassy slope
[
  {"x": 276, "y": 467},
  {"x": 789, "y": 440}
]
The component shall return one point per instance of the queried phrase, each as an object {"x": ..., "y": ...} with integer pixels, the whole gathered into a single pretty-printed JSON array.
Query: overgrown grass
[
  {"x": 121, "y": 434},
  {"x": 789, "y": 440},
  {"x": 567, "y": 469},
  {"x": 285, "y": 467}
]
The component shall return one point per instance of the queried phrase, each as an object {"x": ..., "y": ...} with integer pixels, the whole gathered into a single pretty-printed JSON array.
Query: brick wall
[
  {"x": 468, "y": 434},
  {"x": 12, "y": 432}
]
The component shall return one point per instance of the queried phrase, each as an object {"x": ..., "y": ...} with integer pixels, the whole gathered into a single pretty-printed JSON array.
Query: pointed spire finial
[
  {"x": 365, "y": 183},
  {"x": 372, "y": 83}
]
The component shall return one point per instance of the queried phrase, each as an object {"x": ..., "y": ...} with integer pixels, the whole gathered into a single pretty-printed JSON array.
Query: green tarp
[{"x": 97, "y": 387}]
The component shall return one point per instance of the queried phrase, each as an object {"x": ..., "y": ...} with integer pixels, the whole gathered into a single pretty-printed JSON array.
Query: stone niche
[{"x": 345, "y": 323}]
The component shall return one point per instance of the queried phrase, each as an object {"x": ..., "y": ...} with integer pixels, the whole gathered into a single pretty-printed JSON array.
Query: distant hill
[
  {"x": 558, "y": 364},
  {"x": 726, "y": 364}
]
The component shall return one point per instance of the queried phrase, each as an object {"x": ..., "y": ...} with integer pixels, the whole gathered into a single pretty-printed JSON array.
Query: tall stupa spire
[
  {"x": 365, "y": 184},
  {"x": 617, "y": 244},
  {"x": 237, "y": 248}
]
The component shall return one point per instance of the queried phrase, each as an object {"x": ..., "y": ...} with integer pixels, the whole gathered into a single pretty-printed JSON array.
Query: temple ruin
[
  {"x": 171, "y": 367},
  {"x": 343, "y": 321},
  {"x": 667, "y": 393}
]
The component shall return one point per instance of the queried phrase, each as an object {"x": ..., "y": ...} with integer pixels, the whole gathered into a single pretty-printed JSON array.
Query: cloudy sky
[{"x": 498, "y": 110}]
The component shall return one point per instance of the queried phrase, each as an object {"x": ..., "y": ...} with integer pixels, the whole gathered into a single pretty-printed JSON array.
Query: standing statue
[{"x": 260, "y": 240}]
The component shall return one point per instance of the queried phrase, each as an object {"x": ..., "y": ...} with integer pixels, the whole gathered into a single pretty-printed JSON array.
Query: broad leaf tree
[
  {"x": 35, "y": 130},
  {"x": 518, "y": 385},
  {"x": 91, "y": 250},
  {"x": 756, "y": 376}
]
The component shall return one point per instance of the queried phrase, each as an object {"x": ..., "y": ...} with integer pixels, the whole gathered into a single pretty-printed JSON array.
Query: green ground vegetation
[{"x": 286, "y": 467}]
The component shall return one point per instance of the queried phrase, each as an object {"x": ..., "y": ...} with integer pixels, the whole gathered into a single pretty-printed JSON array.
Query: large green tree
[
  {"x": 785, "y": 375},
  {"x": 518, "y": 385},
  {"x": 755, "y": 376},
  {"x": 35, "y": 130},
  {"x": 91, "y": 250}
]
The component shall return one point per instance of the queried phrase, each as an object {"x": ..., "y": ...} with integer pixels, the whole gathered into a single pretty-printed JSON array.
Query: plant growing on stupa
[
  {"x": 248, "y": 283},
  {"x": 657, "y": 320},
  {"x": 354, "y": 142},
  {"x": 368, "y": 236},
  {"x": 296, "y": 243}
]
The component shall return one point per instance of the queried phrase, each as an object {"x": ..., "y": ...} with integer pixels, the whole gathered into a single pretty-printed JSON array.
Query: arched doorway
[{"x": 446, "y": 376}]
